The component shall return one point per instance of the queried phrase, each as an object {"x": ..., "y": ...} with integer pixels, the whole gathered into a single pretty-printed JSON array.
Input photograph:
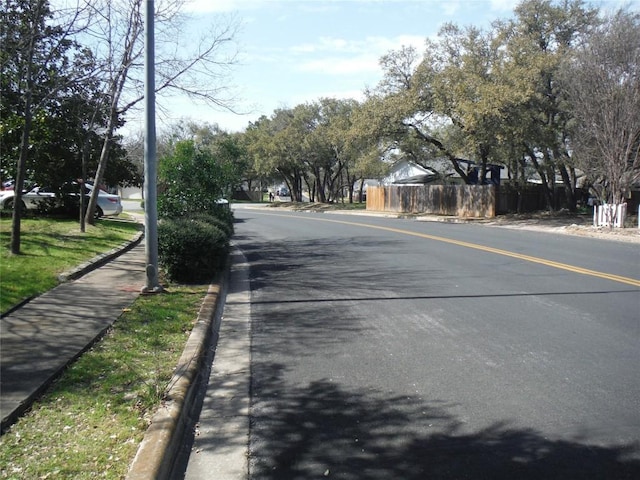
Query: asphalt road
[{"x": 387, "y": 348}]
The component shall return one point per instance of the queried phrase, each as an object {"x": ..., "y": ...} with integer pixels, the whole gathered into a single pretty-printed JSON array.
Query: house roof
[{"x": 418, "y": 179}]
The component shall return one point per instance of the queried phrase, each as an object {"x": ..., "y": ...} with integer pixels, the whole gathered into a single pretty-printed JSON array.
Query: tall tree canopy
[
  {"x": 316, "y": 145},
  {"x": 540, "y": 38},
  {"x": 551, "y": 93},
  {"x": 491, "y": 96},
  {"x": 602, "y": 79},
  {"x": 45, "y": 108},
  {"x": 198, "y": 167}
]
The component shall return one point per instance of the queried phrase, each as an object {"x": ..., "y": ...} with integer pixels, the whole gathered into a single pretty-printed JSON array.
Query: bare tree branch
[
  {"x": 603, "y": 84},
  {"x": 119, "y": 43}
]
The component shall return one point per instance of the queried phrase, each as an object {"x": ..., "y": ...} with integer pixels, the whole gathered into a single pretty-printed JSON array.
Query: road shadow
[
  {"x": 324, "y": 429},
  {"x": 303, "y": 428},
  {"x": 323, "y": 269}
]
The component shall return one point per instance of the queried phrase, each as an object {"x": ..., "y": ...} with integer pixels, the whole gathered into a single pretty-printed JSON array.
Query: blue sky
[{"x": 297, "y": 51}]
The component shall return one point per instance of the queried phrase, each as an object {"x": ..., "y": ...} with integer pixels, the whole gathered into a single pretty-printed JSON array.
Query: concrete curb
[{"x": 161, "y": 444}]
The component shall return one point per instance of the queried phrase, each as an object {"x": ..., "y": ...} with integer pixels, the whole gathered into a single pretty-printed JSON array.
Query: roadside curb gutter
[{"x": 160, "y": 447}]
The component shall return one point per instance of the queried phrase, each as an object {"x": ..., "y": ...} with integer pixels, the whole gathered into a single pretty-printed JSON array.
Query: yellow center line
[{"x": 550, "y": 263}]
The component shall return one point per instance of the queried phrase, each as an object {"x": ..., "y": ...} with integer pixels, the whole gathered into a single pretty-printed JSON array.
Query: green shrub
[
  {"x": 191, "y": 250},
  {"x": 193, "y": 177},
  {"x": 220, "y": 219}
]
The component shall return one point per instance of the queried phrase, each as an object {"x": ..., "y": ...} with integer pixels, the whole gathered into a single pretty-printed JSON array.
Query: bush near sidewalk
[{"x": 191, "y": 248}]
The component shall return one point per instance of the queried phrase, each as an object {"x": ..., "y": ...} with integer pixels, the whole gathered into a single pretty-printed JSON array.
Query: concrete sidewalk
[{"x": 43, "y": 336}]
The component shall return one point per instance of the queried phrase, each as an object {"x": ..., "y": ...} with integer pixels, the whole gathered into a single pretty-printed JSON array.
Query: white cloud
[
  {"x": 326, "y": 43},
  {"x": 368, "y": 44},
  {"x": 451, "y": 7},
  {"x": 336, "y": 56},
  {"x": 341, "y": 66},
  {"x": 214, "y": 6},
  {"x": 503, "y": 5}
]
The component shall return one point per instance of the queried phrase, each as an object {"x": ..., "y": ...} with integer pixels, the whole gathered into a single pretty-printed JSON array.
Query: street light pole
[{"x": 150, "y": 158}]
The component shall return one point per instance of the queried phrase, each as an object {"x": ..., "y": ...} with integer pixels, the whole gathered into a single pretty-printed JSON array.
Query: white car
[{"x": 108, "y": 204}]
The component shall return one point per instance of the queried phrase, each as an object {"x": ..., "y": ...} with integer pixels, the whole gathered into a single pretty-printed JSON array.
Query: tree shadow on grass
[{"x": 326, "y": 430}]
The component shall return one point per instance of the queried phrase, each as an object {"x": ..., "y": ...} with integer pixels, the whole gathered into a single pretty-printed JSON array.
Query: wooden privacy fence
[{"x": 457, "y": 200}]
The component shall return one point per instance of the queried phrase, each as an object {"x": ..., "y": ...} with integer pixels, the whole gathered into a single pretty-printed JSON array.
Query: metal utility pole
[{"x": 150, "y": 157}]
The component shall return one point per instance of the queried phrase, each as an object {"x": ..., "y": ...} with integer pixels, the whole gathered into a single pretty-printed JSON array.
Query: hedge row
[{"x": 193, "y": 249}]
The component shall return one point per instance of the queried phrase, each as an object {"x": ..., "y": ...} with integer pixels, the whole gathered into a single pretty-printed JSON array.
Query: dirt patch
[{"x": 568, "y": 223}]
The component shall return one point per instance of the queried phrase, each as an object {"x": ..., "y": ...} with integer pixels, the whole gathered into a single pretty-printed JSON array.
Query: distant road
[
  {"x": 386, "y": 348},
  {"x": 132, "y": 205}
]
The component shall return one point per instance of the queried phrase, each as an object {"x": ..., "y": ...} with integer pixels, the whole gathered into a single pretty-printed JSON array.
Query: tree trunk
[
  {"x": 24, "y": 146},
  {"x": 361, "y": 190},
  {"x": 89, "y": 216},
  {"x": 20, "y": 174},
  {"x": 569, "y": 188},
  {"x": 548, "y": 194},
  {"x": 320, "y": 185}
]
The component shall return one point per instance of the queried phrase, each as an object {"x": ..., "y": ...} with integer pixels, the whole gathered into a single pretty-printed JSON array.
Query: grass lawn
[
  {"x": 90, "y": 422},
  {"x": 49, "y": 246}
]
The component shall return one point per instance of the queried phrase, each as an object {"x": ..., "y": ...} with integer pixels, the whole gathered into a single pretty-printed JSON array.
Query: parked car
[{"x": 47, "y": 198}]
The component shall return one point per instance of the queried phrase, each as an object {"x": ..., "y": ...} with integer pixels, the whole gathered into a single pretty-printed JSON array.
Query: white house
[{"x": 403, "y": 170}]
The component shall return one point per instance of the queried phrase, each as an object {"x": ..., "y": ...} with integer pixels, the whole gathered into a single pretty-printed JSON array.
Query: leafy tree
[
  {"x": 41, "y": 70},
  {"x": 542, "y": 34},
  {"x": 388, "y": 113},
  {"x": 367, "y": 154},
  {"x": 227, "y": 149},
  {"x": 603, "y": 83},
  {"x": 275, "y": 144},
  {"x": 193, "y": 177},
  {"x": 313, "y": 155},
  {"x": 254, "y": 179},
  {"x": 231, "y": 155},
  {"x": 311, "y": 144},
  {"x": 335, "y": 125},
  {"x": 452, "y": 103},
  {"x": 467, "y": 89},
  {"x": 491, "y": 96}
]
